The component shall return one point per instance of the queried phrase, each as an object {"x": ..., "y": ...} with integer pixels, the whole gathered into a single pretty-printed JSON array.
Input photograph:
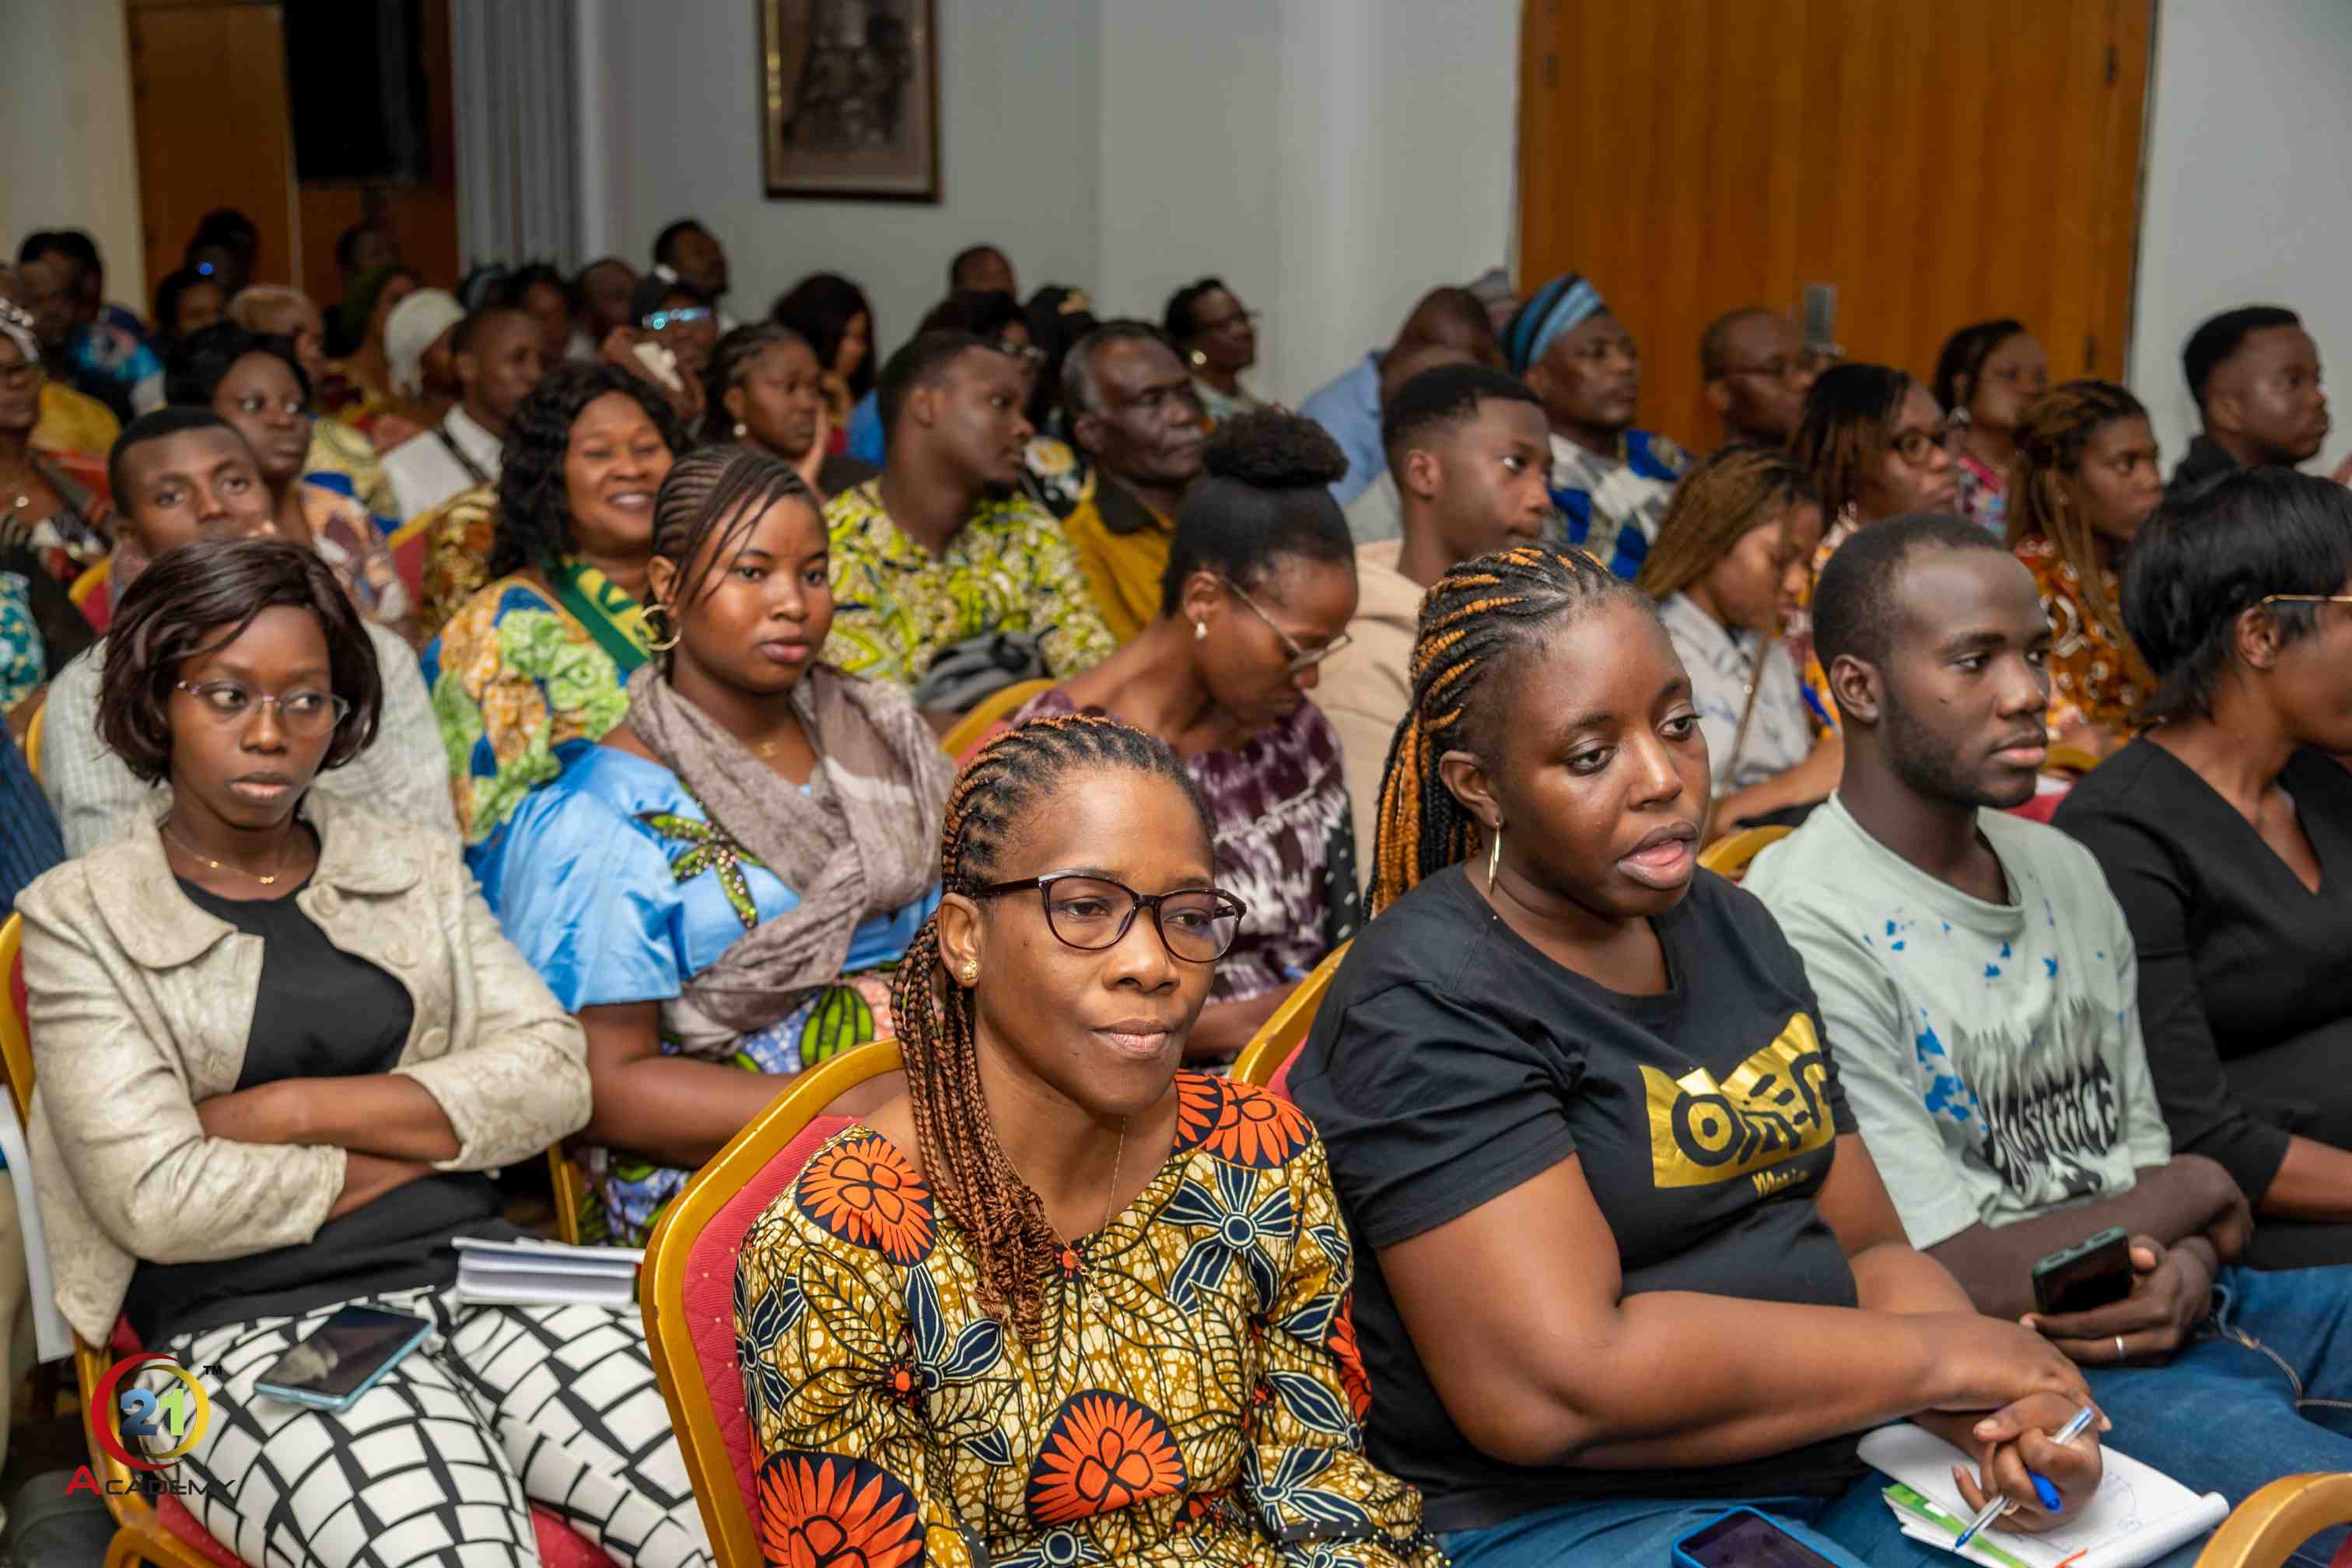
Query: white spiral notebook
[{"x": 2138, "y": 1515}]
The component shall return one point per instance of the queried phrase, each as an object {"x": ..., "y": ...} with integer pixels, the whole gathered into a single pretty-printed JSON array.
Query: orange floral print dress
[
  {"x": 1196, "y": 1396},
  {"x": 2093, "y": 679}
]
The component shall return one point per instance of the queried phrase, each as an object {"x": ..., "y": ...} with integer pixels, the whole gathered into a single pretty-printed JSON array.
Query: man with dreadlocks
[
  {"x": 1058, "y": 1301},
  {"x": 1623, "y": 1261}
]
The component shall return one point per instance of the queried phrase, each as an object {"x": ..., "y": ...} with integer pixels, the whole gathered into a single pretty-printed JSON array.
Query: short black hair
[
  {"x": 922, "y": 361},
  {"x": 168, "y": 294},
  {"x": 2212, "y": 554},
  {"x": 461, "y": 341},
  {"x": 533, "y": 526},
  {"x": 529, "y": 276},
  {"x": 171, "y": 419},
  {"x": 1962, "y": 360},
  {"x": 1183, "y": 317},
  {"x": 1265, "y": 497},
  {"x": 1445, "y": 394},
  {"x": 57, "y": 242},
  {"x": 820, "y": 307},
  {"x": 665, "y": 242},
  {"x": 983, "y": 312},
  {"x": 2211, "y": 345},
  {"x": 200, "y": 596},
  {"x": 966, "y": 257},
  {"x": 227, "y": 225},
  {"x": 1714, "y": 342},
  {"x": 1853, "y": 601},
  {"x": 202, "y": 360}
]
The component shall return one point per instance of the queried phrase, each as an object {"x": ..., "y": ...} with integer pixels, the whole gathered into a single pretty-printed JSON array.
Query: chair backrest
[
  {"x": 1729, "y": 856},
  {"x": 15, "y": 1030},
  {"x": 688, "y": 1289},
  {"x": 93, "y": 594},
  {"x": 408, "y": 545},
  {"x": 33, "y": 734},
  {"x": 2070, "y": 759},
  {"x": 2262, "y": 1531},
  {"x": 1266, "y": 1058},
  {"x": 966, "y": 731}
]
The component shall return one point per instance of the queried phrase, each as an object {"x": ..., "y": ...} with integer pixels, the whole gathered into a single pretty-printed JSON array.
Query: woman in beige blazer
[{"x": 281, "y": 1047}]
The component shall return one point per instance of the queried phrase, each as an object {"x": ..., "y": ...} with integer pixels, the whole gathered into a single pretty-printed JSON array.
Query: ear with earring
[
  {"x": 1199, "y": 631},
  {"x": 1199, "y": 359},
  {"x": 661, "y": 644},
  {"x": 1494, "y": 855},
  {"x": 741, "y": 430},
  {"x": 969, "y": 973}
]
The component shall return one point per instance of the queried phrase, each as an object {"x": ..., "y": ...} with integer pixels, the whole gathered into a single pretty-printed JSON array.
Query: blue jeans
[
  {"x": 1854, "y": 1530},
  {"x": 2264, "y": 1392}
]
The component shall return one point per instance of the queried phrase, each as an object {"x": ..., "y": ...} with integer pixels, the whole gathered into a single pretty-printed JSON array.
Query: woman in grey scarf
[{"x": 721, "y": 888}]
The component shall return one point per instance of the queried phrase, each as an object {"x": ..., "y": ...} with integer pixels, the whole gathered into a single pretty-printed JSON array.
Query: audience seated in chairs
[
  {"x": 1217, "y": 335},
  {"x": 256, "y": 384},
  {"x": 1595, "y": 1312},
  {"x": 1058, "y": 1300},
  {"x": 495, "y": 354},
  {"x": 1259, "y": 587},
  {"x": 1609, "y": 480},
  {"x": 721, "y": 888},
  {"x": 185, "y": 474},
  {"x": 1756, "y": 372},
  {"x": 832, "y": 313},
  {"x": 1377, "y": 513},
  {"x": 766, "y": 391},
  {"x": 1733, "y": 558},
  {"x": 280, "y": 1044},
  {"x": 2086, "y": 479},
  {"x": 2226, "y": 834},
  {"x": 1982, "y": 999},
  {"x": 1132, "y": 413},
  {"x": 365, "y": 371},
  {"x": 532, "y": 664},
  {"x": 1348, "y": 405},
  {"x": 943, "y": 587},
  {"x": 1468, "y": 453},
  {"x": 2255, "y": 374},
  {"x": 58, "y": 522}
]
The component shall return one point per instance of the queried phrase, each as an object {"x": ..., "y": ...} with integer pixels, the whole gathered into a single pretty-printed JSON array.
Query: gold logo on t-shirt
[{"x": 1770, "y": 1110}]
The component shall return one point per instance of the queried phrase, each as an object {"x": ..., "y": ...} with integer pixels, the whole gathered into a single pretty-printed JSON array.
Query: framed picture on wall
[{"x": 849, "y": 98}]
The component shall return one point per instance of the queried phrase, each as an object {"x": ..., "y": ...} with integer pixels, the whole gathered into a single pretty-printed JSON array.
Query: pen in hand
[{"x": 2075, "y": 1428}]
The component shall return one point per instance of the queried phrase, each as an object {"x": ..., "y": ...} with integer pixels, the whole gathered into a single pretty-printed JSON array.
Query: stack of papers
[
  {"x": 545, "y": 1274},
  {"x": 2138, "y": 1515}
]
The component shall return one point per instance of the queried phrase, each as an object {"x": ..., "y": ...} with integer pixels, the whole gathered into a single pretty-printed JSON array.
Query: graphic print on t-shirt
[
  {"x": 1767, "y": 1112},
  {"x": 2044, "y": 1112}
]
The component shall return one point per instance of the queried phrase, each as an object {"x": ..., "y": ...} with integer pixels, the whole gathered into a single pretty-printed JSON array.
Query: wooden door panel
[
  {"x": 1939, "y": 164},
  {"x": 212, "y": 127}
]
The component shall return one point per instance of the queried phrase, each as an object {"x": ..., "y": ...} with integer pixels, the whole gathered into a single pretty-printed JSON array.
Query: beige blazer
[{"x": 141, "y": 1006}]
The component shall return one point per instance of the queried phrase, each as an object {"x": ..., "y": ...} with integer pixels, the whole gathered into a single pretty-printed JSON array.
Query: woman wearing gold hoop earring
[
  {"x": 1217, "y": 335},
  {"x": 721, "y": 888}
]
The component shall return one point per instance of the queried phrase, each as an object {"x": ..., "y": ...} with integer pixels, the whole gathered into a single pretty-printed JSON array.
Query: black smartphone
[
  {"x": 1745, "y": 1539},
  {"x": 2096, "y": 1271},
  {"x": 342, "y": 1358}
]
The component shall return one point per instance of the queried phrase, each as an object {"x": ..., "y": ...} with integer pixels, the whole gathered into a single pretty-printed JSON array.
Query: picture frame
[{"x": 849, "y": 100}]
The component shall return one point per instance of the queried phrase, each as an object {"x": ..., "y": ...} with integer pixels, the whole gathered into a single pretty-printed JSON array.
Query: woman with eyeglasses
[
  {"x": 2225, "y": 832},
  {"x": 682, "y": 321},
  {"x": 1260, "y": 585},
  {"x": 720, "y": 889},
  {"x": 1873, "y": 439},
  {"x": 1217, "y": 335},
  {"x": 257, "y": 384},
  {"x": 1984, "y": 379},
  {"x": 281, "y": 1047},
  {"x": 1057, "y": 1301}
]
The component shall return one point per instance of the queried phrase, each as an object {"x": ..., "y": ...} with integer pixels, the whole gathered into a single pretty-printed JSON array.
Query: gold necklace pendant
[{"x": 269, "y": 882}]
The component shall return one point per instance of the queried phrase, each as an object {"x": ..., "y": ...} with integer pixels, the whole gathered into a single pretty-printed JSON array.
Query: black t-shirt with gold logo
[{"x": 1452, "y": 1061}]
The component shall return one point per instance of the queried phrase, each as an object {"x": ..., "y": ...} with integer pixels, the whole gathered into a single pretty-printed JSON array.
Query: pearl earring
[
  {"x": 740, "y": 430},
  {"x": 969, "y": 974},
  {"x": 1199, "y": 631},
  {"x": 1199, "y": 359}
]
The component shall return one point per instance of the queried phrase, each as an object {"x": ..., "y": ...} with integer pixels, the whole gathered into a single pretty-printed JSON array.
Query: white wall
[
  {"x": 2248, "y": 198},
  {"x": 1330, "y": 159},
  {"x": 1018, "y": 154},
  {"x": 65, "y": 76}
]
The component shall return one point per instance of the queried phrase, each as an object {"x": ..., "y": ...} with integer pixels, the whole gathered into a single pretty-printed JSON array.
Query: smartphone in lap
[
  {"x": 343, "y": 1358},
  {"x": 1744, "y": 1538}
]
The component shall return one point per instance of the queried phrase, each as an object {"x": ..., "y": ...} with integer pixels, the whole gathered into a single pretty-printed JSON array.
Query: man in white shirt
[{"x": 497, "y": 358}]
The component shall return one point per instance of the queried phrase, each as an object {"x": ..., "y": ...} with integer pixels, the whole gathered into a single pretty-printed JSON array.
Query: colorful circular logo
[{"x": 133, "y": 1416}]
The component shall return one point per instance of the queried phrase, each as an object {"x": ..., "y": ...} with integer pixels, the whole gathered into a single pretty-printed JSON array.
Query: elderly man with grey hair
[{"x": 1133, "y": 412}]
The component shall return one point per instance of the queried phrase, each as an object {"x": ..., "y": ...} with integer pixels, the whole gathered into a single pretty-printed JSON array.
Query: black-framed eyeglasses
[
  {"x": 1301, "y": 658},
  {"x": 1091, "y": 913},
  {"x": 1913, "y": 445},
  {"x": 2307, "y": 598}
]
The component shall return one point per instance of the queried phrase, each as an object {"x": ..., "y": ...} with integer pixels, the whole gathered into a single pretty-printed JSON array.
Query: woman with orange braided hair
[
  {"x": 1059, "y": 1302},
  {"x": 1623, "y": 1261},
  {"x": 2087, "y": 478}
]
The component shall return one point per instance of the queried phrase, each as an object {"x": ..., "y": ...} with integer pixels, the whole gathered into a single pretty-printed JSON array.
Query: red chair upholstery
[{"x": 408, "y": 545}]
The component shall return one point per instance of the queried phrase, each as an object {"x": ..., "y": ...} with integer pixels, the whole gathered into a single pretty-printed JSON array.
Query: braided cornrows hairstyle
[
  {"x": 1474, "y": 621},
  {"x": 1740, "y": 486},
  {"x": 720, "y": 492},
  {"x": 1004, "y": 786},
  {"x": 1849, "y": 418},
  {"x": 2051, "y": 435},
  {"x": 731, "y": 362}
]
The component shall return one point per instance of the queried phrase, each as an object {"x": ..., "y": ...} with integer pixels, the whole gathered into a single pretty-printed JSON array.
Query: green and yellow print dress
[
  {"x": 1196, "y": 1396},
  {"x": 618, "y": 886}
]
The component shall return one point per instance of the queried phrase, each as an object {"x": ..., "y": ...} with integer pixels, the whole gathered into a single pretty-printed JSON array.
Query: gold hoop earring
[
  {"x": 662, "y": 645},
  {"x": 1494, "y": 855}
]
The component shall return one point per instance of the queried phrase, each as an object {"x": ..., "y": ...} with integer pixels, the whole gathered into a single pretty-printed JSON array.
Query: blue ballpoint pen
[{"x": 2080, "y": 1423}]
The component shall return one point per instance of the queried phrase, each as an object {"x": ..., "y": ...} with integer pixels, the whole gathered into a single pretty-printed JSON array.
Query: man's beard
[{"x": 1932, "y": 770}]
